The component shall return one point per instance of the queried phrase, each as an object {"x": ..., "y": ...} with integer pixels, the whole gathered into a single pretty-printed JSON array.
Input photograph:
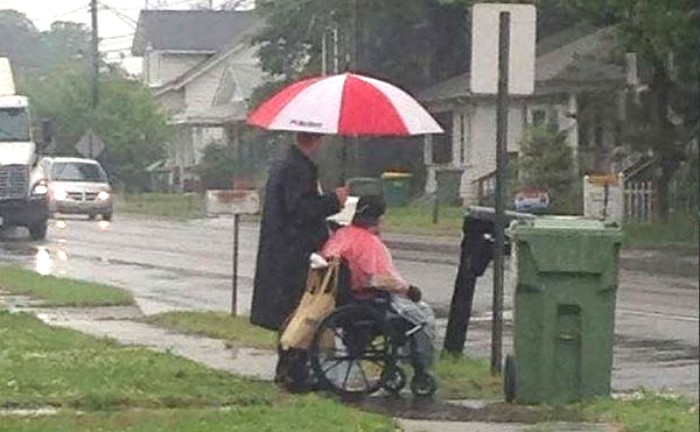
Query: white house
[
  {"x": 202, "y": 68},
  {"x": 578, "y": 87}
]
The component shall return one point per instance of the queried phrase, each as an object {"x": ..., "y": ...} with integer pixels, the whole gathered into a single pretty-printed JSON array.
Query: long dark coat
[{"x": 293, "y": 226}]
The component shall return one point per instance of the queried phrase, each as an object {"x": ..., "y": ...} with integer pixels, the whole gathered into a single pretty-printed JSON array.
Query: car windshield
[
  {"x": 78, "y": 172},
  {"x": 14, "y": 125}
]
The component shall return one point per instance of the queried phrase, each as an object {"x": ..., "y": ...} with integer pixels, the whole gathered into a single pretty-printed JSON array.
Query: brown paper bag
[{"x": 316, "y": 304}]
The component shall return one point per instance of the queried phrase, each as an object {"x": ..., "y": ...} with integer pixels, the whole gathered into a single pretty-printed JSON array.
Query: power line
[
  {"x": 123, "y": 36},
  {"x": 125, "y": 18}
]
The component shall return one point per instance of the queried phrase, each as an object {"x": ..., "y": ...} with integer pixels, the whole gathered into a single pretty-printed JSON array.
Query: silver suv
[{"x": 78, "y": 186}]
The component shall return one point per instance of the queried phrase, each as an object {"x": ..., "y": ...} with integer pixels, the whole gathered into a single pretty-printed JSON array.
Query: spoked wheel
[{"x": 350, "y": 351}]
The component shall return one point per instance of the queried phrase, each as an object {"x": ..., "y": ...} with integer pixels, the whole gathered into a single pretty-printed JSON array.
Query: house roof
[
  {"x": 193, "y": 73},
  {"x": 579, "y": 63},
  {"x": 192, "y": 31}
]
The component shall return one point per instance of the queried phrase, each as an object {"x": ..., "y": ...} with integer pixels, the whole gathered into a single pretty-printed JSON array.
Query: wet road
[{"x": 188, "y": 265}]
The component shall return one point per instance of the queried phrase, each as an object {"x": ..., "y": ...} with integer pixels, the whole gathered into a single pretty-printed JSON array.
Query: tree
[
  {"x": 19, "y": 41},
  {"x": 666, "y": 36},
  {"x": 372, "y": 38},
  {"x": 546, "y": 162},
  {"x": 127, "y": 119}
]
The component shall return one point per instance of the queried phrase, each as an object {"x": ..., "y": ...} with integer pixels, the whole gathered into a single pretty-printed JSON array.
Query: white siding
[
  {"x": 172, "y": 102},
  {"x": 199, "y": 94},
  {"x": 163, "y": 67},
  {"x": 480, "y": 153}
]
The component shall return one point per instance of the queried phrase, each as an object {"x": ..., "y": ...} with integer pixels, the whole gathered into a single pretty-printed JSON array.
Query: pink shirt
[{"x": 365, "y": 253}]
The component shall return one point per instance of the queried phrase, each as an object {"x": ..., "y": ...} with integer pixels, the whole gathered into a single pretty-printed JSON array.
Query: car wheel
[
  {"x": 107, "y": 217},
  {"x": 38, "y": 231},
  {"x": 92, "y": 217}
]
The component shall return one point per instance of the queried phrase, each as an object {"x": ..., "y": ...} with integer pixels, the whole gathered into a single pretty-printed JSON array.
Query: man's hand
[
  {"x": 342, "y": 194},
  {"x": 414, "y": 293}
]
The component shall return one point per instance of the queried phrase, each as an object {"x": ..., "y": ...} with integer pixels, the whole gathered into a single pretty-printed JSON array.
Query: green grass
[
  {"x": 309, "y": 413},
  {"x": 235, "y": 331},
  {"x": 53, "y": 291},
  {"x": 41, "y": 365},
  {"x": 679, "y": 230},
  {"x": 173, "y": 206},
  {"x": 418, "y": 219},
  {"x": 651, "y": 412},
  {"x": 119, "y": 388},
  {"x": 467, "y": 378}
]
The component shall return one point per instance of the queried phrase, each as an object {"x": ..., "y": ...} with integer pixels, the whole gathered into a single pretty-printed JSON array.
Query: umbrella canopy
[{"x": 346, "y": 104}]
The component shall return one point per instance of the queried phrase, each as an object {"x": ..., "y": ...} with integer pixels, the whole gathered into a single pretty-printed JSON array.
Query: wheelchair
[{"x": 363, "y": 345}]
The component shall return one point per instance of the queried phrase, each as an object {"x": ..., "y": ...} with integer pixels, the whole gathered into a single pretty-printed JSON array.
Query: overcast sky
[{"x": 116, "y": 20}]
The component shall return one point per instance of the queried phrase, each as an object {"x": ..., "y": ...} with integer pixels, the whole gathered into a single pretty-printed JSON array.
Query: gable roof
[
  {"x": 205, "y": 31},
  {"x": 583, "y": 61},
  {"x": 187, "y": 77}
]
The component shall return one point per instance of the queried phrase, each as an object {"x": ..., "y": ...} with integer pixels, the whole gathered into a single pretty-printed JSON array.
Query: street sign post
[
  {"x": 90, "y": 145},
  {"x": 503, "y": 63},
  {"x": 234, "y": 202}
]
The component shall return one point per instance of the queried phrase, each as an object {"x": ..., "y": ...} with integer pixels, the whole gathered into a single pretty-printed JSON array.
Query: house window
[
  {"x": 467, "y": 137},
  {"x": 227, "y": 91},
  {"x": 546, "y": 116},
  {"x": 442, "y": 143},
  {"x": 539, "y": 117}
]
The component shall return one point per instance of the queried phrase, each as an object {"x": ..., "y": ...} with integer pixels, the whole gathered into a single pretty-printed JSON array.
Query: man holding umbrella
[
  {"x": 294, "y": 215},
  {"x": 293, "y": 226}
]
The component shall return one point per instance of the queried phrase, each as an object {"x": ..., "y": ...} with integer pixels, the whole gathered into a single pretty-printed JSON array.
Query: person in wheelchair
[{"x": 373, "y": 278}]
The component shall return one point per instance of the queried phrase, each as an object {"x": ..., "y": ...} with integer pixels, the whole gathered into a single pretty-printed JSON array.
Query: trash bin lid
[
  {"x": 390, "y": 175},
  {"x": 569, "y": 244},
  {"x": 566, "y": 223}
]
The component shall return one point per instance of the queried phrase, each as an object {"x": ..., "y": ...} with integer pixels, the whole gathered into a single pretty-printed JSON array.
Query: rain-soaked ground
[{"x": 187, "y": 265}]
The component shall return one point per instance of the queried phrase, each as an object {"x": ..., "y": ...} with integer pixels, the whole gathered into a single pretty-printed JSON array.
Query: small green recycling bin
[
  {"x": 397, "y": 186},
  {"x": 362, "y": 186},
  {"x": 566, "y": 283}
]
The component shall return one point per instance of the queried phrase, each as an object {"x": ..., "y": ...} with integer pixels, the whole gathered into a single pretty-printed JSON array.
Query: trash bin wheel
[{"x": 509, "y": 379}]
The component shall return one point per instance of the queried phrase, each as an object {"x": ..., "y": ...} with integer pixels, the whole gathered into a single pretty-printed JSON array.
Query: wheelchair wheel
[
  {"x": 394, "y": 379},
  {"x": 423, "y": 385},
  {"x": 350, "y": 351}
]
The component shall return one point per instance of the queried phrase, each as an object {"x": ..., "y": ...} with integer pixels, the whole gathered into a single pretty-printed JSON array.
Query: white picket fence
[{"x": 640, "y": 201}]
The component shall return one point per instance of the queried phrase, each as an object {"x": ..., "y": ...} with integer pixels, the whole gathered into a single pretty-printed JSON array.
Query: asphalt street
[{"x": 171, "y": 265}]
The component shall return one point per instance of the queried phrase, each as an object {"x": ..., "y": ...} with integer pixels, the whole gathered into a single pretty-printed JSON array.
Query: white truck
[{"x": 23, "y": 188}]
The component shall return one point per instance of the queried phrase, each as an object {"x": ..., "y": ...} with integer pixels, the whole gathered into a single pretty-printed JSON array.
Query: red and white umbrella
[{"x": 346, "y": 104}]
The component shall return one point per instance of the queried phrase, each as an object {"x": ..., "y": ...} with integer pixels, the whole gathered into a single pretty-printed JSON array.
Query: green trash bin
[
  {"x": 397, "y": 187},
  {"x": 362, "y": 186},
  {"x": 566, "y": 273}
]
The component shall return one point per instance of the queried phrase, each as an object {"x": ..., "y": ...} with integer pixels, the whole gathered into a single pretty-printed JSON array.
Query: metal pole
[
  {"x": 335, "y": 49},
  {"x": 324, "y": 53},
  {"x": 436, "y": 208},
  {"x": 234, "y": 292},
  {"x": 501, "y": 178},
  {"x": 95, "y": 55}
]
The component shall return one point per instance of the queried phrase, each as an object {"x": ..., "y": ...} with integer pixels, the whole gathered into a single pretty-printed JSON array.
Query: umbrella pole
[{"x": 343, "y": 160}]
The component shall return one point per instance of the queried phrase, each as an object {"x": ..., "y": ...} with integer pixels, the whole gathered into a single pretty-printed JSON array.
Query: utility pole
[
  {"x": 501, "y": 178},
  {"x": 95, "y": 56}
]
